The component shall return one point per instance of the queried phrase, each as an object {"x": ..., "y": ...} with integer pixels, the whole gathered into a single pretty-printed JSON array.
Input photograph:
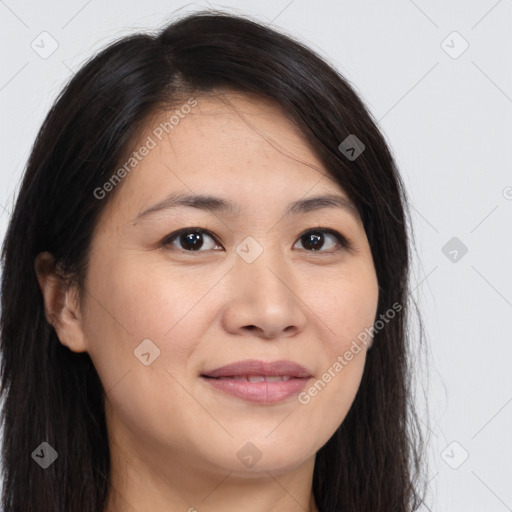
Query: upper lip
[{"x": 257, "y": 367}]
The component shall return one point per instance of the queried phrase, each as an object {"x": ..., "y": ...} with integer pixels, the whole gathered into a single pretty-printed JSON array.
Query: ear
[{"x": 60, "y": 304}]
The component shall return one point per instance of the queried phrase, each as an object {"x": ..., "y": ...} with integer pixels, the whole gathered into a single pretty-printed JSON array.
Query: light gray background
[{"x": 448, "y": 121}]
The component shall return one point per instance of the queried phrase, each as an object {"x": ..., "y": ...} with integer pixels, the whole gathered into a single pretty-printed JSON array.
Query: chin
[{"x": 250, "y": 462}]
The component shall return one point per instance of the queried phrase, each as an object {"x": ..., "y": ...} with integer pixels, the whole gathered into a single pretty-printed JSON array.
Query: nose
[{"x": 264, "y": 299}]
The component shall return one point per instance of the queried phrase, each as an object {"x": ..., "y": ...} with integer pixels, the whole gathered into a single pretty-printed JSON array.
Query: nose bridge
[{"x": 263, "y": 270}]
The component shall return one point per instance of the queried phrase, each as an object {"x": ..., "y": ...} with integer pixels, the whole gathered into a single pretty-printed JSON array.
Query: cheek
[
  {"x": 347, "y": 307},
  {"x": 142, "y": 299},
  {"x": 129, "y": 306}
]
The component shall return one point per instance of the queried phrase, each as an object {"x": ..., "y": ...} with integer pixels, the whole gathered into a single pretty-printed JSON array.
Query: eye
[
  {"x": 314, "y": 239},
  {"x": 191, "y": 239}
]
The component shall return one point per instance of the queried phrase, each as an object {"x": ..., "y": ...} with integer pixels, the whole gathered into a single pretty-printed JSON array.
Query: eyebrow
[{"x": 219, "y": 205}]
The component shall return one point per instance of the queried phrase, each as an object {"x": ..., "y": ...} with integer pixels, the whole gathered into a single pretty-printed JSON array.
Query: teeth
[{"x": 256, "y": 378}]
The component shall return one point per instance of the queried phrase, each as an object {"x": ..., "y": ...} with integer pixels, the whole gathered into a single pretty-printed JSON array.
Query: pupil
[
  {"x": 192, "y": 239},
  {"x": 317, "y": 241}
]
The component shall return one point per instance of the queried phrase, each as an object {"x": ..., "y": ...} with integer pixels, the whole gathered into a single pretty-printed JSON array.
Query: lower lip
[{"x": 260, "y": 392}]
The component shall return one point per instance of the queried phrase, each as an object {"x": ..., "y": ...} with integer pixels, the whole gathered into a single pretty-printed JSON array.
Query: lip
[
  {"x": 229, "y": 379},
  {"x": 257, "y": 367}
]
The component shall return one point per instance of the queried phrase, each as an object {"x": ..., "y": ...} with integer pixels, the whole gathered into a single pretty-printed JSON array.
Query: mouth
[
  {"x": 259, "y": 381},
  {"x": 254, "y": 378}
]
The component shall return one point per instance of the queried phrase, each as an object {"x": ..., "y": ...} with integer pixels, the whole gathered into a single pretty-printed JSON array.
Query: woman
[{"x": 204, "y": 290}]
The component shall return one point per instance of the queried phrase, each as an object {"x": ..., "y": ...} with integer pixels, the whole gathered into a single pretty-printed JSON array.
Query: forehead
[
  {"x": 224, "y": 127},
  {"x": 236, "y": 123},
  {"x": 230, "y": 144}
]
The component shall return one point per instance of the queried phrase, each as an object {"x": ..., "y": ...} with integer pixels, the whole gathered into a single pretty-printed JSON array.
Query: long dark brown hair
[{"x": 53, "y": 395}]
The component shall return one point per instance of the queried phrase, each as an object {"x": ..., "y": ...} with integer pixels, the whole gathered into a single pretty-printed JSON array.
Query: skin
[{"x": 174, "y": 439}]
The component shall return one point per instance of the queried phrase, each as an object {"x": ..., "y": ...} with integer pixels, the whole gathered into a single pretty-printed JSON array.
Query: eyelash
[{"x": 343, "y": 242}]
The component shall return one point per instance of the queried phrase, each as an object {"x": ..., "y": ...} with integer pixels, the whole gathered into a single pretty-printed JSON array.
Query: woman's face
[{"x": 163, "y": 311}]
